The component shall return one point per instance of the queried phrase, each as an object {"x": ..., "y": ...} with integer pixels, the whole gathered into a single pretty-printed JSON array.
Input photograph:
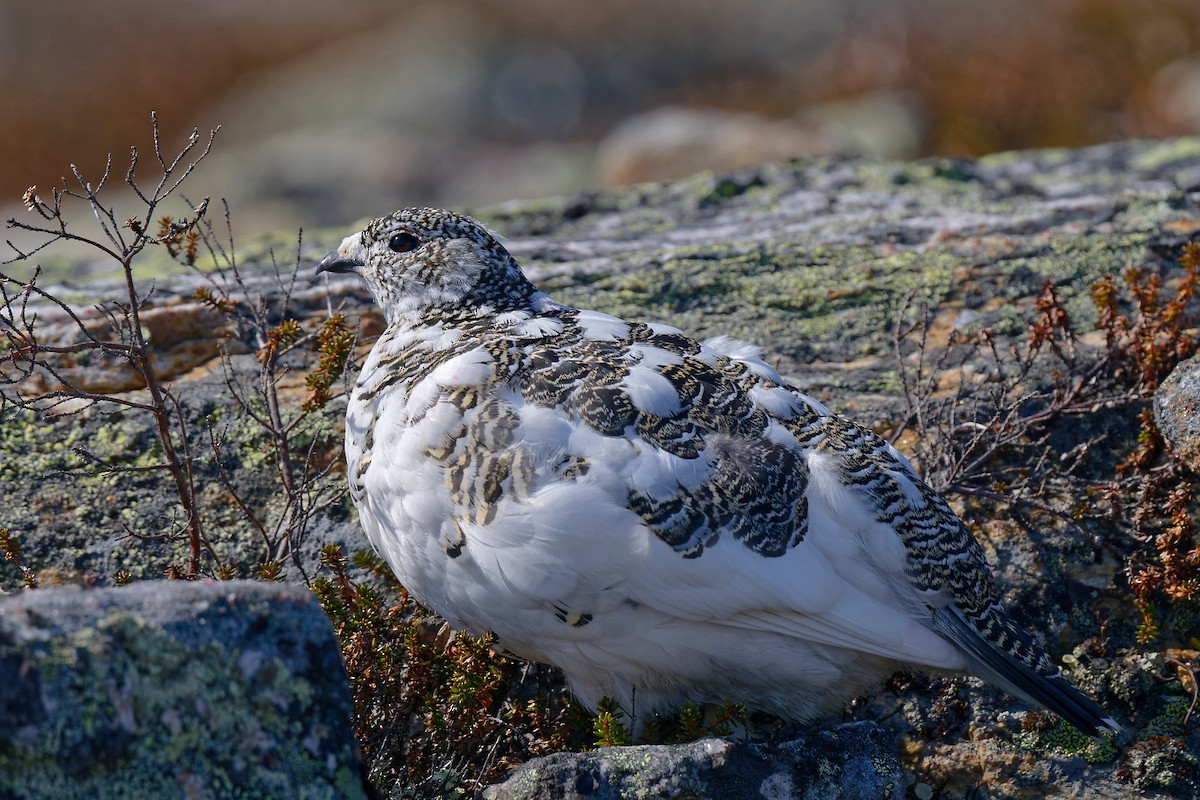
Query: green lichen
[
  {"x": 1162, "y": 764},
  {"x": 1170, "y": 721},
  {"x": 1160, "y": 154},
  {"x": 26, "y": 450},
  {"x": 169, "y": 714}
]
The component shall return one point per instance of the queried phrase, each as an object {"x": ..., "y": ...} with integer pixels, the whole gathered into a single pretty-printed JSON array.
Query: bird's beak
[{"x": 334, "y": 262}]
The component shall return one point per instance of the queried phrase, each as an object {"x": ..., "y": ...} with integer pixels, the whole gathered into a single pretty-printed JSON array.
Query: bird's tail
[{"x": 1002, "y": 652}]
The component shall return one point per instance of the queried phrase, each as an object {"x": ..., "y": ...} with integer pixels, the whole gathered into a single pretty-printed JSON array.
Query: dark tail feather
[{"x": 1010, "y": 673}]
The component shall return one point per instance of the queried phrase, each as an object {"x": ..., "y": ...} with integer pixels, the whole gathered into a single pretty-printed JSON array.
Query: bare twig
[{"x": 1188, "y": 670}]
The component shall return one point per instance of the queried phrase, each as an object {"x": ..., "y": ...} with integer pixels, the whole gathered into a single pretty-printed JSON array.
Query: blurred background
[{"x": 334, "y": 112}]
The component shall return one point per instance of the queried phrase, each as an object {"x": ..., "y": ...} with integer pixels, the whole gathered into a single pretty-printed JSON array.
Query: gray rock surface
[
  {"x": 173, "y": 689},
  {"x": 1177, "y": 412},
  {"x": 855, "y": 761},
  {"x": 813, "y": 261}
]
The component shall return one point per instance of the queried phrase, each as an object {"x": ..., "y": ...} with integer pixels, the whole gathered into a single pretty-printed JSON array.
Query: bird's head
[{"x": 419, "y": 259}]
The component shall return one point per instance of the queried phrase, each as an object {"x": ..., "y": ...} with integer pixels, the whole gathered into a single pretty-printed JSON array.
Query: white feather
[
  {"x": 651, "y": 393},
  {"x": 602, "y": 326}
]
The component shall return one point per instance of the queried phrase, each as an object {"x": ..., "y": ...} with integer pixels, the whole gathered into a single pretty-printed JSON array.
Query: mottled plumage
[{"x": 662, "y": 518}]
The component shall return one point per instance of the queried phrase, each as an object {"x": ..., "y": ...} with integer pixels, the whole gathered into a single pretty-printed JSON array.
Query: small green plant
[
  {"x": 335, "y": 342},
  {"x": 270, "y": 571},
  {"x": 693, "y": 722},
  {"x": 609, "y": 726}
]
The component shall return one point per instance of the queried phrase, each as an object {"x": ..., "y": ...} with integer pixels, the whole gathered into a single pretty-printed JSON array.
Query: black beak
[{"x": 335, "y": 263}]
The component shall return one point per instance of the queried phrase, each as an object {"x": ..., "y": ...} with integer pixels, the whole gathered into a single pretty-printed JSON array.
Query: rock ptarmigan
[{"x": 662, "y": 518}]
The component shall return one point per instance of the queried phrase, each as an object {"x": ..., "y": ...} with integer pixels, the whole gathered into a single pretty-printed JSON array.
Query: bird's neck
[
  {"x": 470, "y": 312},
  {"x": 435, "y": 324}
]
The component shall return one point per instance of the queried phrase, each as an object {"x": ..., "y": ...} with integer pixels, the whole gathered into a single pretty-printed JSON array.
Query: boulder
[
  {"x": 1177, "y": 412},
  {"x": 855, "y": 761},
  {"x": 173, "y": 689}
]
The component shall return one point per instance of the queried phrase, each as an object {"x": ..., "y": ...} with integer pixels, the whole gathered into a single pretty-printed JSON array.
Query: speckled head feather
[{"x": 424, "y": 258}]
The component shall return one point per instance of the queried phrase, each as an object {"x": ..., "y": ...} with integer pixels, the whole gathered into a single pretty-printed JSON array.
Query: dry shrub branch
[
  {"x": 304, "y": 441},
  {"x": 47, "y": 340},
  {"x": 989, "y": 420},
  {"x": 35, "y": 370}
]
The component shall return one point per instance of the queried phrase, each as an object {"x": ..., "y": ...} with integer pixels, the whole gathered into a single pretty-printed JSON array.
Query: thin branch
[
  {"x": 1191, "y": 673},
  {"x": 227, "y": 482}
]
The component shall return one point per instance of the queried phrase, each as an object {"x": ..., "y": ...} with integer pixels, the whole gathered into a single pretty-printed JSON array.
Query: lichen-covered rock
[
  {"x": 855, "y": 761},
  {"x": 1177, "y": 412},
  {"x": 172, "y": 689},
  {"x": 812, "y": 260},
  {"x": 1162, "y": 764}
]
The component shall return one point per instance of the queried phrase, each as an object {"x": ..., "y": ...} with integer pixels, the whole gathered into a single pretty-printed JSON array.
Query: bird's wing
[{"x": 702, "y": 449}]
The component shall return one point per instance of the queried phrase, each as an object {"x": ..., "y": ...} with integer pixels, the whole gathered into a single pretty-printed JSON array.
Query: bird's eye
[{"x": 403, "y": 242}]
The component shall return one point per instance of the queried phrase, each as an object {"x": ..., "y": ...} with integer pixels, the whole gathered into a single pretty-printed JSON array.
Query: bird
[{"x": 662, "y": 518}]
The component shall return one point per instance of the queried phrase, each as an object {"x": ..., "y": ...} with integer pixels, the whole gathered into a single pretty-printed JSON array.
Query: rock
[
  {"x": 183, "y": 336},
  {"x": 1177, "y": 412},
  {"x": 1164, "y": 765},
  {"x": 811, "y": 260},
  {"x": 671, "y": 143},
  {"x": 855, "y": 761},
  {"x": 882, "y": 124},
  {"x": 172, "y": 689},
  {"x": 1174, "y": 93}
]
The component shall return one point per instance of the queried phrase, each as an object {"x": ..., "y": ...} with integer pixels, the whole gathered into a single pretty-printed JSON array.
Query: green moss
[
  {"x": 1170, "y": 721},
  {"x": 1182, "y": 621},
  {"x": 1065, "y": 739}
]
